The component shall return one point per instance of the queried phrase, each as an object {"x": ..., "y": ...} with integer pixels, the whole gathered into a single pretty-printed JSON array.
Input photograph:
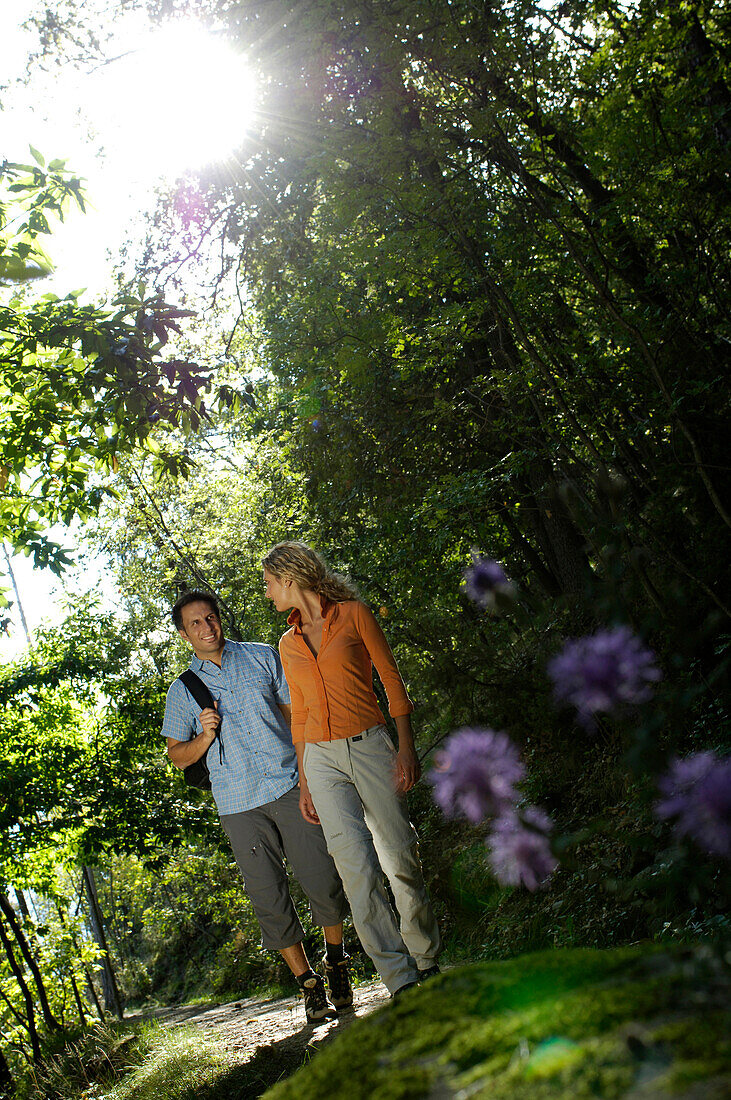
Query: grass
[
  {"x": 90, "y": 1060},
  {"x": 154, "y": 1062},
  {"x": 185, "y": 1064}
]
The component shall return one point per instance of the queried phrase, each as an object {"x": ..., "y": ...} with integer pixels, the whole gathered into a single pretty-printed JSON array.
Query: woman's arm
[
  {"x": 298, "y": 714},
  {"x": 307, "y": 806},
  {"x": 297, "y": 728},
  {"x": 408, "y": 768}
]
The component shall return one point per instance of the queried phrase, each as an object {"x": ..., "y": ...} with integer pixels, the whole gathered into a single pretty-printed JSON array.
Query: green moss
[{"x": 547, "y": 1025}]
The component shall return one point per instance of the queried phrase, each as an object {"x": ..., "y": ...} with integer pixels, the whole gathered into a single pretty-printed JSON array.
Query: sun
[{"x": 178, "y": 100}]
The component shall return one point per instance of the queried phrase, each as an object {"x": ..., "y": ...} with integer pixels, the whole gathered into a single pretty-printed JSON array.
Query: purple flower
[
  {"x": 520, "y": 851},
  {"x": 697, "y": 793},
  {"x": 476, "y": 773},
  {"x": 603, "y": 671},
  {"x": 485, "y": 580}
]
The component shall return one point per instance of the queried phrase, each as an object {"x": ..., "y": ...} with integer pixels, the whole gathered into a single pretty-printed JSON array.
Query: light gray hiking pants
[{"x": 353, "y": 786}]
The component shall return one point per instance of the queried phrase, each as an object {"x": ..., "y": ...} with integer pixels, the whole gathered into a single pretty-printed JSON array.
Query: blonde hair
[{"x": 298, "y": 562}]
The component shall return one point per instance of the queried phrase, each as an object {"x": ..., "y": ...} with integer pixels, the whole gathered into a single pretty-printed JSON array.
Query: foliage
[
  {"x": 89, "y": 1061},
  {"x": 175, "y": 936},
  {"x": 482, "y": 253},
  {"x": 84, "y": 772},
  {"x": 479, "y": 252},
  {"x": 151, "y": 1062},
  {"x": 82, "y": 777},
  {"x": 79, "y": 385}
]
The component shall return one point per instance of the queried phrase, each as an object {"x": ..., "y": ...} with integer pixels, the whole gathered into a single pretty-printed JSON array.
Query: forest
[{"x": 455, "y": 312}]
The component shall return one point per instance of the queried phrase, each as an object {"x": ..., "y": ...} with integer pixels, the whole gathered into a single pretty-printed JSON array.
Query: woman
[{"x": 352, "y": 780}]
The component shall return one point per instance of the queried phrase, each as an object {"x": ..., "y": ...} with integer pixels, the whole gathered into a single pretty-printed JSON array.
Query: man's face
[{"x": 202, "y": 628}]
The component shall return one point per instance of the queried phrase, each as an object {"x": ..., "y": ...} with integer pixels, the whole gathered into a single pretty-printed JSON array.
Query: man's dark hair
[{"x": 193, "y": 596}]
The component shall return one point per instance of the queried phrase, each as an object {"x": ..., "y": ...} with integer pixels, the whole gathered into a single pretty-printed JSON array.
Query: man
[{"x": 254, "y": 781}]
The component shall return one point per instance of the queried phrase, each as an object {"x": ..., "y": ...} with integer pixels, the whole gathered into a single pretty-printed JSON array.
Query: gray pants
[
  {"x": 259, "y": 840},
  {"x": 368, "y": 832}
]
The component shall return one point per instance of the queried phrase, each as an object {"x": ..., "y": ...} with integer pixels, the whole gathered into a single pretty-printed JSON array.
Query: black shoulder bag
[{"x": 197, "y": 773}]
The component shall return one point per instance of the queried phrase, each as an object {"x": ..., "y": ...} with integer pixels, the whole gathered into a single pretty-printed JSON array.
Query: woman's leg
[
  {"x": 339, "y": 807},
  {"x": 373, "y": 760}
]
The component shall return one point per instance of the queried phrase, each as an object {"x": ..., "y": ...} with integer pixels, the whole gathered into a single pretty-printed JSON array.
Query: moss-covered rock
[{"x": 633, "y": 1022}]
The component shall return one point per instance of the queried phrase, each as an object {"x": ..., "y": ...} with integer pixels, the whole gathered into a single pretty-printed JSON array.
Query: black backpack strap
[
  {"x": 197, "y": 689},
  {"x": 202, "y": 695}
]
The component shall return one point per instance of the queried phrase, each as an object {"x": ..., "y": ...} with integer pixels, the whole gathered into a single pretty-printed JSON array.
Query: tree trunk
[
  {"x": 22, "y": 903},
  {"x": 112, "y": 1000},
  {"x": 7, "y": 1085},
  {"x": 92, "y": 993},
  {"x": 48, "y": 1018},
  {"x": 72, "y": 979},
  {"x": 30, "y": 1017}
]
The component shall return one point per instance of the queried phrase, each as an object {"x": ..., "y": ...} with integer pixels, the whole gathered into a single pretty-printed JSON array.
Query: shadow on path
[{"x": 265, "y": 1039}]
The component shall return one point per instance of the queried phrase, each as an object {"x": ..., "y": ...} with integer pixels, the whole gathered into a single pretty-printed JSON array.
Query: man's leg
[
  {"x": 257, "y": 849},
  {"x": 296, "y": 959},
  {"x": 333, "y": 934},
  {"x": 373, "y": 761},
  {"x": 350, "y": 843},
  {"x": 305, "y": 848}
]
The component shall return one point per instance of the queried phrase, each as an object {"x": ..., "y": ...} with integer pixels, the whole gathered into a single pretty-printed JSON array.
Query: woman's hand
[
  {"x": 408, "y": 768},
  {"x": 307, "y": 806}
]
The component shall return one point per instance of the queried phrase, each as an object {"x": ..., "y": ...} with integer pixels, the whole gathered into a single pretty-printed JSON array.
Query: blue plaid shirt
[{"x": 259, "y": 761}]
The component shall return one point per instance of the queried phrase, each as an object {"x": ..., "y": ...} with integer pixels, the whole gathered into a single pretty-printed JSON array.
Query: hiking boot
[
  {"x": 403, "y": 988},
  {"x": 338, "y": 982},
  {"x": 317, "y": 1007},
  {"x": 429, "y": 972}
]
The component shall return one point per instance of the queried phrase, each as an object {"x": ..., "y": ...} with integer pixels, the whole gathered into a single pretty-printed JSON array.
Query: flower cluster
[
  {"x": 478, "y": 770},
  {"x": 697, "y": 793},
  {"x": 485, "y": 581},
  {"x": 475, "y": 777},
  {"x": 520, "y": 851},
  {"x": 476, "y": 773},
  {"x": 603, "y": 671}
]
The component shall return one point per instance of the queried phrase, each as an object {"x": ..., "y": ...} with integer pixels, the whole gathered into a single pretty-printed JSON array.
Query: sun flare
[{"x": 178, "y": 101}]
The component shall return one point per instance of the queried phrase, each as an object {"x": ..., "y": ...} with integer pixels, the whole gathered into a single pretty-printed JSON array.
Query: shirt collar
[
  {"x": 197, "y": 665},
  {"x": 327, "y": 607}
]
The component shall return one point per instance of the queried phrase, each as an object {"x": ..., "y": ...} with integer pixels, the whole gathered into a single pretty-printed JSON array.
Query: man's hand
[
  {"x": 307, "y": 806},
  {"x": 210, "y": 720},
  {"x": 408, "y": 768},
  {"x": 183, "y": 753}
]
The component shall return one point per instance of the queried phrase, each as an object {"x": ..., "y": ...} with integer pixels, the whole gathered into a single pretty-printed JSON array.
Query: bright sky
[{"x": 174, "y": 98}]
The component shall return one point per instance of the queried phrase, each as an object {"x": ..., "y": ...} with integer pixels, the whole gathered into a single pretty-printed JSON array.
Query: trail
[{"x": 245, "y": 1026}]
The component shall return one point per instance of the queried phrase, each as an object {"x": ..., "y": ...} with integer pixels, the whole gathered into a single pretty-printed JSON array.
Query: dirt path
[{"x": 244, "y": 1027}]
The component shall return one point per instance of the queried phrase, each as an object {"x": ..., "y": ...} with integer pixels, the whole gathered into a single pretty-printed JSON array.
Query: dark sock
[
  {"x": 302, "y": 978},
  {"x": 334, "y": 952}
]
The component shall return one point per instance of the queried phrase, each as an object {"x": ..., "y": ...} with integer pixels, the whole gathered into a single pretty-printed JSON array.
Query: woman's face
[{"x": 278, "y": 591}]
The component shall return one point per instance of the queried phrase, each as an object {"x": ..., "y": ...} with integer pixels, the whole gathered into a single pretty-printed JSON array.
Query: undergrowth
[{"x": 152, "y": 1062}]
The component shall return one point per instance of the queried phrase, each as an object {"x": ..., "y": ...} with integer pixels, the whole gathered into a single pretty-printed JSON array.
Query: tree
[
  {"x": 479, "y": 248},
  {"x": 83, "y": 779},
  {"x": 79, "y": 385}
]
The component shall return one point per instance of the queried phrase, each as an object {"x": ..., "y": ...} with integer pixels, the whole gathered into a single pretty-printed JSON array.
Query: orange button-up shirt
[{"x": 332, "y": 694}]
